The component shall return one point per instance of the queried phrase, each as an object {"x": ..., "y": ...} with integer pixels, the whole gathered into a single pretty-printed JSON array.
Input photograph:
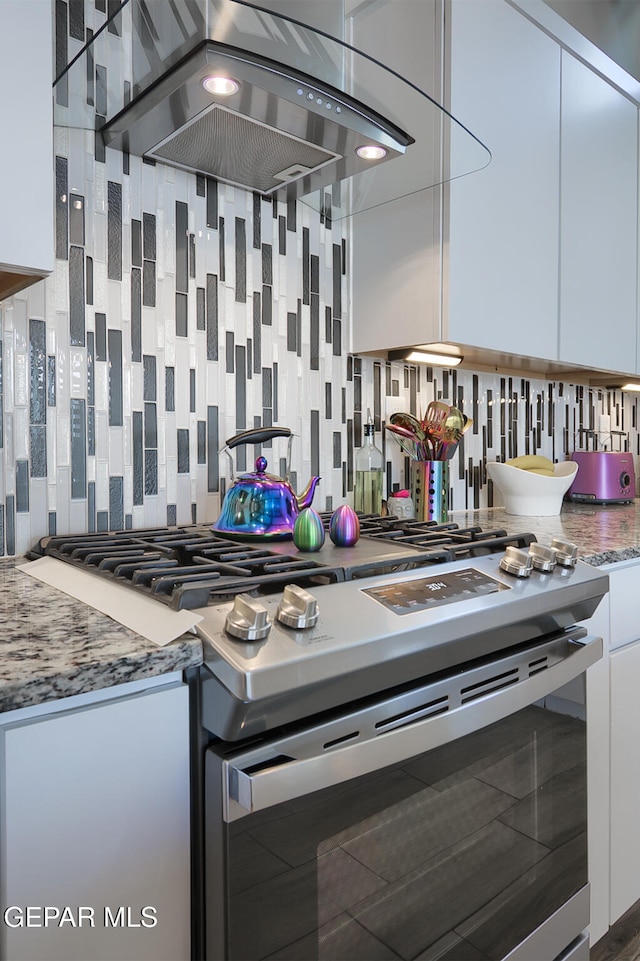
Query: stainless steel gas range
[{"x": 393, "y": 738}]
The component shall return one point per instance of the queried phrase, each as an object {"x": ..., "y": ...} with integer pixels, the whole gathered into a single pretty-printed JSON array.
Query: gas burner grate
[
  {"x": 438, "y": 542},
  {"x": 186, "y": 567},
  {"x": 191, "y": 567}
]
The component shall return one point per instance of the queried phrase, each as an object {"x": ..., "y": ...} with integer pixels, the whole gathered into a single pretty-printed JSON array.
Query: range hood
[
  {"x": 306, "y": 116},
  {"x": 278, "y": 132}
]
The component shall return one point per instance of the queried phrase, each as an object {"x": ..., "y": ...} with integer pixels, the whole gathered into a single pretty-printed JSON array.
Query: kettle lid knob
[{"x": 261, "y": 464}]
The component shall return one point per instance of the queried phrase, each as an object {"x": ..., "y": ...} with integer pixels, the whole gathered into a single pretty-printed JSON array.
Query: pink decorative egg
[{"x": 344, "y": 526}]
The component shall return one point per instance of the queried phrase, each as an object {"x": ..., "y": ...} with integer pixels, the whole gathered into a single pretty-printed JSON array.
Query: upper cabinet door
[
  {"x": 599, "y": 222},
  {"x": 503, "y": 221},
  {"x": 395, "y": 248},
  {"x": 26, "y": 159}
]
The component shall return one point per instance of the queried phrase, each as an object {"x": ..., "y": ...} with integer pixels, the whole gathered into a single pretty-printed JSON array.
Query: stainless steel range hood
[
  {"x": 279, "y": 133},
  {"x": 304, "y": 102}
]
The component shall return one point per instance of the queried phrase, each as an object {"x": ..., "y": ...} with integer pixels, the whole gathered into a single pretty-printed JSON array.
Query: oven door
[{"x": 445, "y": 820}]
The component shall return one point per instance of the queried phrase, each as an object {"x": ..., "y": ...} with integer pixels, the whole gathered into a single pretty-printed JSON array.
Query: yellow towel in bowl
[{"x": 534, "y": 462}]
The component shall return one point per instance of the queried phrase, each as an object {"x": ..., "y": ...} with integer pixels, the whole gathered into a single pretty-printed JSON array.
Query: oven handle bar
[{"x": 247, "y": 793}]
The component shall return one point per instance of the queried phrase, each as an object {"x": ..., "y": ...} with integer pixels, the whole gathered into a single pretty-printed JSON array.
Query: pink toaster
[{"x": 604, "y": 477}]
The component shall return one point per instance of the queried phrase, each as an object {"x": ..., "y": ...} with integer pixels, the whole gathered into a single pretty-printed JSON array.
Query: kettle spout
[{"x": 304, "y": 499}]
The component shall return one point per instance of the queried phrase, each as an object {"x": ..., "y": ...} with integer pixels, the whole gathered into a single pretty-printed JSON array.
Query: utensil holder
[{"x": 430, "y": 489}]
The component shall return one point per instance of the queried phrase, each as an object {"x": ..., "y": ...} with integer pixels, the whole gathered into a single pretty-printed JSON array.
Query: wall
[{"x": 181, "y": 312}]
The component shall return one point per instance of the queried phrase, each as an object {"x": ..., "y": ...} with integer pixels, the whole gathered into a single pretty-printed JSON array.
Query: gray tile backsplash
[{"x": 182, "y": 311}]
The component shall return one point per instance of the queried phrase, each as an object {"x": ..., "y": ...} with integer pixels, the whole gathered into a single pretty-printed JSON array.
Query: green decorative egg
[{"x": 308, "y": 532}]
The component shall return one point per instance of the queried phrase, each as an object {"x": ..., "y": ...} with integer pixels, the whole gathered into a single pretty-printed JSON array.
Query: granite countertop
[
  {"x": 53, "y": 646},
  {"x": 604, "y": 533}
]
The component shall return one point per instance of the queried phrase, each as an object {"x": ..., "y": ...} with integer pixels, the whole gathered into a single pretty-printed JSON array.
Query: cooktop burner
[{"x": 192, "y": 566}]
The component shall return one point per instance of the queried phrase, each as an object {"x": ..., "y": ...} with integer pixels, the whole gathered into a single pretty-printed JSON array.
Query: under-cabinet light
[{"x": 415, "y": 356}]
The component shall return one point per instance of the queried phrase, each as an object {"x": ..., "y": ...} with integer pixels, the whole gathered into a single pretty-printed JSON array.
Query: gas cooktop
[{"x": 193, "y": 566}]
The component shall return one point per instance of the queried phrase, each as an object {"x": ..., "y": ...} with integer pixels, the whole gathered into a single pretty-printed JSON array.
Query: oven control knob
[
  {"x": 298, "y": 608},
  {"x": 566, "y": 553},
  {"x": 247, "y": 619},
  {"x": 543, "y": 558},
  {"x": 517, "y": 562}
]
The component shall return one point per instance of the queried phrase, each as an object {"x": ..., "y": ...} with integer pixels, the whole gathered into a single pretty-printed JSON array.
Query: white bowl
[{"x": 527, "y": 493}]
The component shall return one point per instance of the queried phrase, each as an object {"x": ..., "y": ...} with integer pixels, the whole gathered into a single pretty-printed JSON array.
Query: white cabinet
[
  {"x": 614, "y": 771},
  {"x": 598, "y": 221},
  {"x": 536, "y": 255},
  {"x": 396, "y": 248},
  {"x": 474, "y": 262},
  {"x": 625, "y": 779},
  {"x": 94, "y": 813},
  {"x": 625, "y": 724},
  {"x": 502, "y": 281},
  {"x": 624, "y": 579},
  {"x": 26, "y": 159}
]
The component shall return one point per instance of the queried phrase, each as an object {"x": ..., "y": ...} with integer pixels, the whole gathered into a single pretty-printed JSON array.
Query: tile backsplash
[{"x": 182, "y": 311}]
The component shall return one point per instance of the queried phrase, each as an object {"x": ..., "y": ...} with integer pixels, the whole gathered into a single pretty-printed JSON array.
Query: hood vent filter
[{"x": 241, "y": 151}]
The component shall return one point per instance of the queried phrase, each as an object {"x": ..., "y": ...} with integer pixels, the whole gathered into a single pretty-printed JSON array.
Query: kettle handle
[{"x": 257, "y": 436}]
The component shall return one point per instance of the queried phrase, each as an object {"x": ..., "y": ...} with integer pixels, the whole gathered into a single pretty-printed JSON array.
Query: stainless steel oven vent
[
  {"x": 239, "y": 150},
  {"x": 280, "y": 133}
]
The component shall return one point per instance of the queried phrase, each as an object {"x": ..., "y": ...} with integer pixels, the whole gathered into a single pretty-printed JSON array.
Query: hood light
[
  {"x": 413, "y": 356},
  {"x": 371, "y": 152},
  {"x": 630, "y": 386},
  {"x": 221, "y": 86}
]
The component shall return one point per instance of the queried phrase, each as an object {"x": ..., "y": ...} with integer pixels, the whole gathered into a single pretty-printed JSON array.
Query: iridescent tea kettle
[{"x": 260, "y": 505}]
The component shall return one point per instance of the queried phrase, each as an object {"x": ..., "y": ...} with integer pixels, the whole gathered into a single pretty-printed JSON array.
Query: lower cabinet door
[
  {"x": 625, "y": 779},
  {"x": 94, "y": 832}
]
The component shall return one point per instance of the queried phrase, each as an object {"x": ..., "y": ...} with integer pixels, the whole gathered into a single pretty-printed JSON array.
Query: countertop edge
[{"x": 611, "y": 557}]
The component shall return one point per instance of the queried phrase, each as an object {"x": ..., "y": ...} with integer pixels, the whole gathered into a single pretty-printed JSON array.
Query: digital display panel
[{"x": 406, "y": 597}]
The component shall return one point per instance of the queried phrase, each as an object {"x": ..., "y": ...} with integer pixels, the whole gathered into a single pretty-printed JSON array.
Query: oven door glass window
[{"x": 459, "y": 853}]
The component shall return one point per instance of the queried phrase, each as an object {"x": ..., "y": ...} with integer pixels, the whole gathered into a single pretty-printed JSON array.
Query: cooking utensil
[
  {"x": 434, "y": 418},
  {"x": 450, "y": 450},
  {"x": 433, "y": 423},
  {"x": 405, "y": 438},
  {"x": 408, "y": 422},
  {"x": 435, "y": 437},
  {"x": 261, "y": 505},
  {"x": 451, "y": 431},
  {"x": 424, "y": 445},
  {"x": 454, "y": 421}
]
